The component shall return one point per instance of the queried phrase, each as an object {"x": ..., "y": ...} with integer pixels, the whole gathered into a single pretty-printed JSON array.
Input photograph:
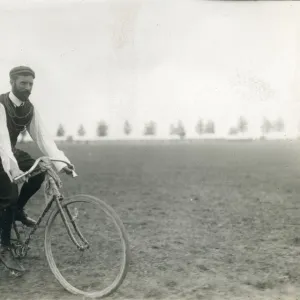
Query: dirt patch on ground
[{"x": 209, "y": 220}]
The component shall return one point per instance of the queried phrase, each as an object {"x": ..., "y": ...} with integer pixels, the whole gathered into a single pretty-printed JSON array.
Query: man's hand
[
  {"x": 68, "y": 170},
  {"x": 17, "y": 172}
]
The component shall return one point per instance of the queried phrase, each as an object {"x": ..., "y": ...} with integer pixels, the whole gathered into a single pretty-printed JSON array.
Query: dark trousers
[{"x": 10, "y": 200}]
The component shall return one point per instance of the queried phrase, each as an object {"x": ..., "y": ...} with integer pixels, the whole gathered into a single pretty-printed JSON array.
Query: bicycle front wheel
[{"x": 100, "y": 267}]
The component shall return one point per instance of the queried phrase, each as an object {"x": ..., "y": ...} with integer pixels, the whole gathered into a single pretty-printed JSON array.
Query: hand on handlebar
[
  {"x": 16, "y": 173},
  {"x": 68, "y": 170},
  {"x": 23, "y": 176}
]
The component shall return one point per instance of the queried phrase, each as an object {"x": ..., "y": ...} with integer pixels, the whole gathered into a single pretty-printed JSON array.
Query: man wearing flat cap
[{"x": 17, "y": 114}]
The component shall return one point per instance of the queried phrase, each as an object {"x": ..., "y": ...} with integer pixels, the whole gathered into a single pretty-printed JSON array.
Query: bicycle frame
[{"x": 58, "y": 198}]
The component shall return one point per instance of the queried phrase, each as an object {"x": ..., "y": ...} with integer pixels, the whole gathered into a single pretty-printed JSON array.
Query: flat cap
[{"x": 21, "y": 70}]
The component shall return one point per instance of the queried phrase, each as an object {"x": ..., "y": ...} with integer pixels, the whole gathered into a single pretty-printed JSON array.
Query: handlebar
[{"x": 38, "y": 161}]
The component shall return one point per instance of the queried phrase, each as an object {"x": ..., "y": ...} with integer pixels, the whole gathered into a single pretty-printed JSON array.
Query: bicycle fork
[{"x": 83, "y": 244}]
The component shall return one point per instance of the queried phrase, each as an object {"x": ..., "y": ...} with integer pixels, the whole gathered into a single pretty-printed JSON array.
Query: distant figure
[{"x": 17, "y": 114}]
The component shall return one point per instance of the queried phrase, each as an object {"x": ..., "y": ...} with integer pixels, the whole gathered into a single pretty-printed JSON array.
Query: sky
[{"x": 160, "y": 60}]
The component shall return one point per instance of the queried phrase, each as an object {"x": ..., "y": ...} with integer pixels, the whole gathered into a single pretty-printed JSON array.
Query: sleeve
[
  {"x": 7, "y": 157},
  {"x": 45, "y": 142}
]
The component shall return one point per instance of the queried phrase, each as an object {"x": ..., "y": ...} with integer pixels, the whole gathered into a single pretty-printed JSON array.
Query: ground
[{"x": 206, "y": 220}]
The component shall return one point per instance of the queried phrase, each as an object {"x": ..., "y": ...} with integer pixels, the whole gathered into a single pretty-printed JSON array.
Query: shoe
[
  {"x": 23, "y": 218},
  {"x": 8, "y": 259}
]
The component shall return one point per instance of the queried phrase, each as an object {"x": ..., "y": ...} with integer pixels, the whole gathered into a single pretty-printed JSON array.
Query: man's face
[{"x": 22, "y": 86}]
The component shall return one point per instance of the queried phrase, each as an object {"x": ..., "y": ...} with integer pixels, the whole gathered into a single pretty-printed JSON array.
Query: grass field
[{"x": 207, "y": 220}]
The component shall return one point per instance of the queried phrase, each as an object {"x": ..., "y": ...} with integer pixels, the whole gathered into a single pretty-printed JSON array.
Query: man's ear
[{"x": 11, "y": 82}]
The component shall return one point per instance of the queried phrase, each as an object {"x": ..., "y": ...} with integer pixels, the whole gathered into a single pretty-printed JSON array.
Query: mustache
[{"x": 25, "y": 93}]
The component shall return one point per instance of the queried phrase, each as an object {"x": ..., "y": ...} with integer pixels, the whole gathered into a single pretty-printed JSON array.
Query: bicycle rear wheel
[{"x": 98, "y": 270}]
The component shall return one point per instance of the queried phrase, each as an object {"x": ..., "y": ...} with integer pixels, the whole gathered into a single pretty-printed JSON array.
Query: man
[{"x": 17, "y": 113}]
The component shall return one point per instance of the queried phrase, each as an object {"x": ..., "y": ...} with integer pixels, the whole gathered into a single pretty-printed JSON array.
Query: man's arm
[
  {"x": 45, "y": 142},
  {"x": 8, "y": 160}
]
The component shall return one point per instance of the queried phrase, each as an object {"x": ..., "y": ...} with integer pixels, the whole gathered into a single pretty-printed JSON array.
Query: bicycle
[{"x": 77, "y": 236}]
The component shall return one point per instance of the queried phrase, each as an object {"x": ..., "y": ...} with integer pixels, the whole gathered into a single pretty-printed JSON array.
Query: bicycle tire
[{"x": 125, "y": 243}]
